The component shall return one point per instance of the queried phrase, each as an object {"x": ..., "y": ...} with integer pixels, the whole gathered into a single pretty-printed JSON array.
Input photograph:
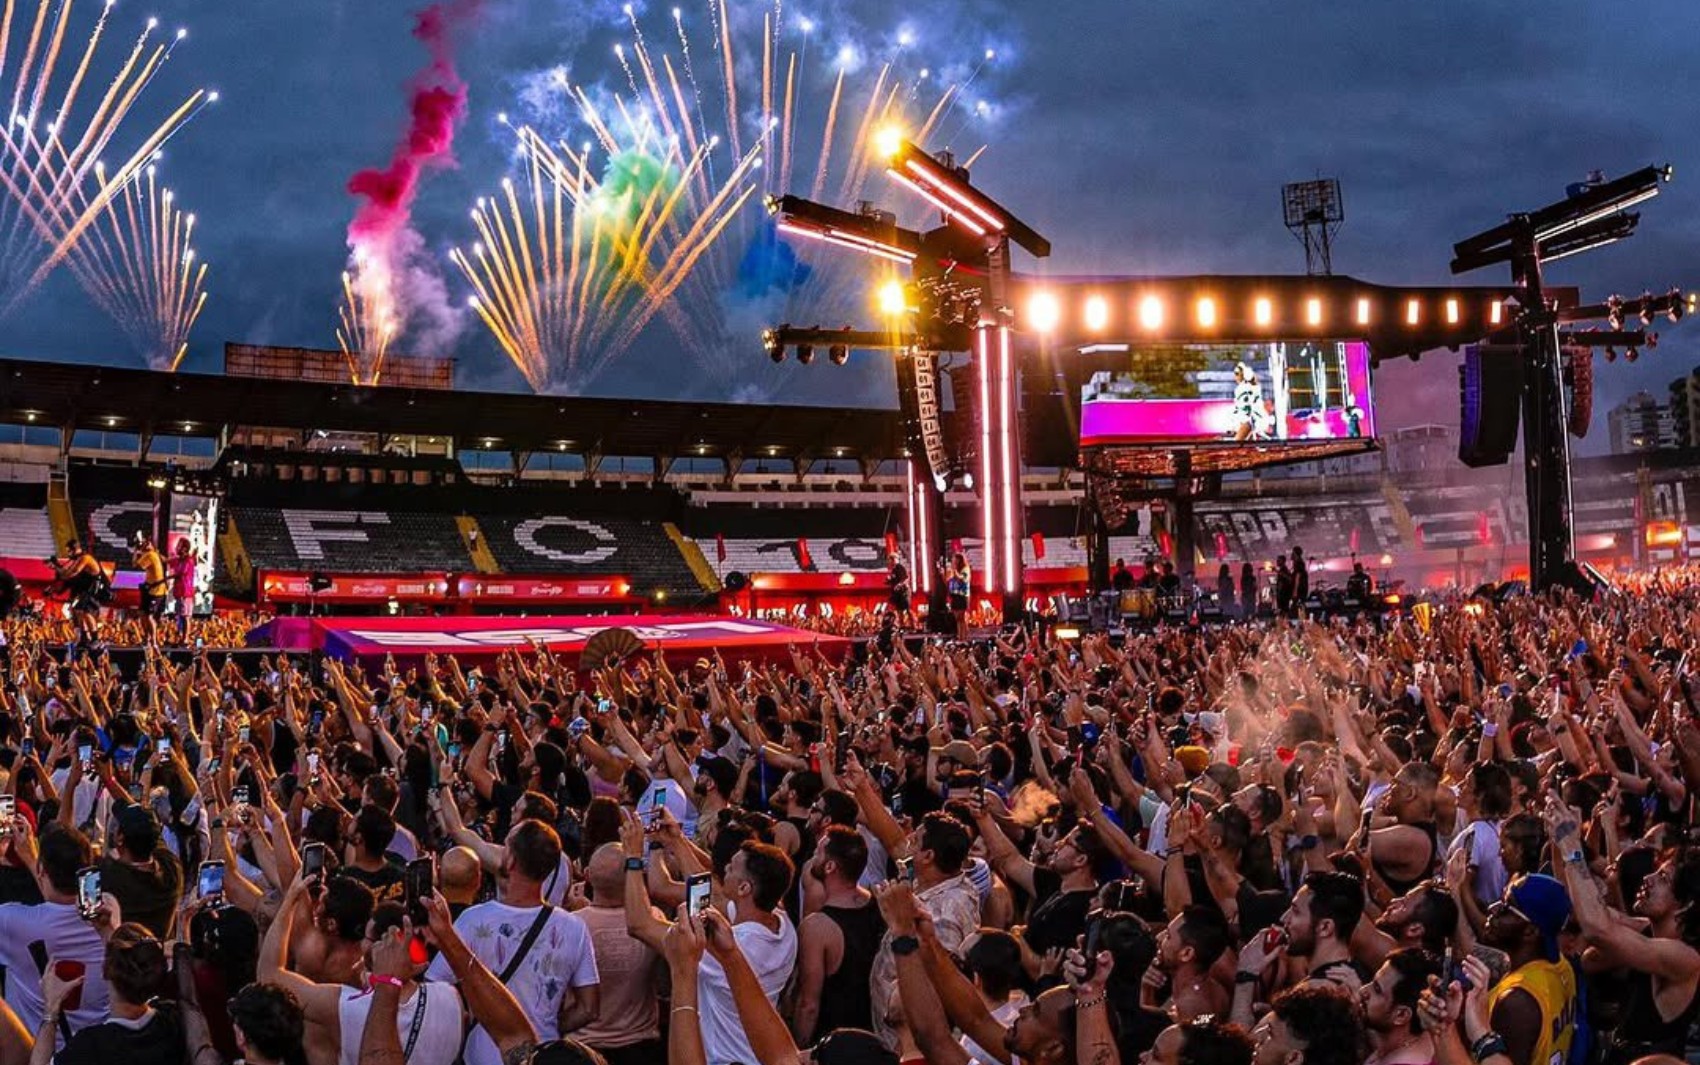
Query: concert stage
[{"x": 683, "y": 639}]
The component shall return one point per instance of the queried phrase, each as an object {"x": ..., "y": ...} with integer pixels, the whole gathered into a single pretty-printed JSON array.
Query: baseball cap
[
  {"x": 1194, "y": 760},
  {"x": 1545, "y": 903},
  {"x": 139, "y": 827}
]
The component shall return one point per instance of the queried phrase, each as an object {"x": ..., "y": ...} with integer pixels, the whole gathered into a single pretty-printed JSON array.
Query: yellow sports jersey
[{"x": 1553, "y": 987}]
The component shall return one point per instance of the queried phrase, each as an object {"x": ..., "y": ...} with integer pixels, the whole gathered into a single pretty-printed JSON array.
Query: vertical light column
[
  {"x": 988, "y": 484},
  {"x": 1009, "y": 473},
  {"x": 912, "y": 509}
]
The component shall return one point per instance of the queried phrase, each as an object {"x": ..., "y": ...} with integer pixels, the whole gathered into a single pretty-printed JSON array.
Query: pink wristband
[{"x": 380, "y": 978}]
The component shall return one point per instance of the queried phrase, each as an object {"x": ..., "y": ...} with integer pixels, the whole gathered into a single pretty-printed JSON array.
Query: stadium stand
[
  {"x": 368, "y": 540},
  {"x": 111, "y": 505},
  {"x": 588, "y": 544},
  {"x": 25, "y": 530}
]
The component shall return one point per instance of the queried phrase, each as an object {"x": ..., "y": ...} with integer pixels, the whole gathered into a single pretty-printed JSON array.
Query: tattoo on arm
[{"x": 519, "y": 1054}]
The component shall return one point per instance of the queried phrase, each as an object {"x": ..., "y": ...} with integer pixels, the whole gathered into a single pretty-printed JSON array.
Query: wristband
[
  {"x": 1573, "y": 858},
  {"x": 380, "y": 978},
  {"x": 1308, "y": 843},
  {"x": 1090, "y": 1003},
  {"x": 1490, "y": 730},
  {"x": 1247, "y": 978},
  {"x": 636, "y": 865},
  {"x": 904, "y": 945},
  {"x": 1487, "y": 1046}
]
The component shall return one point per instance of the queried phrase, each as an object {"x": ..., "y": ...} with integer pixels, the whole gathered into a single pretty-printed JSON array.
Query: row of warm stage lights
[{"x": 1044, "y": 312}]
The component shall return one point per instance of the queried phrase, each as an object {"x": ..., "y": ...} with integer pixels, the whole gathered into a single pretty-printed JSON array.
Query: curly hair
[{"x": 1326, "y": 1020}]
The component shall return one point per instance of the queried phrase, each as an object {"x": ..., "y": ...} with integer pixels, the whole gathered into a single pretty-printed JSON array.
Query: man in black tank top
[{"x": 837, "y": 944}]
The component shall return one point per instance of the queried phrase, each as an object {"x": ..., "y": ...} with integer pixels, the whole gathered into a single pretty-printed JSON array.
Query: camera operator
[{"x": 79, "y": 571}]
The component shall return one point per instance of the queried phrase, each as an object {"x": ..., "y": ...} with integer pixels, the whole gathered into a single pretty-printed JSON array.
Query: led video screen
[
  {"x": 195, "y": 519},
  {"x": 1230, "y": 393}
]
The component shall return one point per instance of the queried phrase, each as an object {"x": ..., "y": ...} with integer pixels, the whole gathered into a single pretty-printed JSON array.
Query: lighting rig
[
  {"x": 958, "y": 298},
  {"x": 1597, "y": 216}
]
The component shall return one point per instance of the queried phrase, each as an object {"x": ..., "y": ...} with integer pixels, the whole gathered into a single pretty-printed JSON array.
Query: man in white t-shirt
[
  {"x": 752, "y": 889},
  {"x": 555, "y": 978},
  {"x": 51, "y": 931}
]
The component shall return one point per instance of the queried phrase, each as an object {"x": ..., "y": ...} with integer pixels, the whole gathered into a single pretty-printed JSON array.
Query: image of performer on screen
[{"x": 1252, "y": 420}]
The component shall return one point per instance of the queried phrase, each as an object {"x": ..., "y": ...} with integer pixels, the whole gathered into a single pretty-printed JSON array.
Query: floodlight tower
[
  {"x": 1597, "y": 216},
  {"x": 1314, "y": 212}
]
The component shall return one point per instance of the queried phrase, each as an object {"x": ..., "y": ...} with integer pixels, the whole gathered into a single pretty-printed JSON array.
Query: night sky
[{"x": 1142, "y": 137}]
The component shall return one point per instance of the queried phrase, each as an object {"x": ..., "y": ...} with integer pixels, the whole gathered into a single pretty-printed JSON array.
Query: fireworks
[
  {"x": 579, "y": 254},
  {"x": 137, "y": 263},
  {"x": 570, "y": 269},
  {"x": 54, "y": 187},
  {"x": 377, "y": 300}
]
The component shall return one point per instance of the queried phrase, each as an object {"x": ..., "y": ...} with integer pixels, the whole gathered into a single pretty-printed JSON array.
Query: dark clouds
[{"x": 1142, "y": 137}]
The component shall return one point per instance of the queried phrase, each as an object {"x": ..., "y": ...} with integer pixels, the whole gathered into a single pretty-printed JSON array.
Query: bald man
[
  {"x": 627, "y": 1030},
  {"x": 460, "y": 877}
]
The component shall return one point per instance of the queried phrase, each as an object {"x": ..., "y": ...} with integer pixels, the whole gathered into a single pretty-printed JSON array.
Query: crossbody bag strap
[{"x": 525, "y": 944}]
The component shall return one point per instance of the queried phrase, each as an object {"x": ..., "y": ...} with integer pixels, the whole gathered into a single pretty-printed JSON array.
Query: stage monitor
[{"x": 1262, "y": 394}]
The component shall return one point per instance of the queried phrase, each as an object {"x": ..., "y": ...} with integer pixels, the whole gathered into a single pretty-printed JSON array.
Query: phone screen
[
  {"x": 27, "y": 748},
  {"x": 211, "y": 883},
  {"x": 419, "y": 882},
  {"x": 697, "y": 887},
  {"x": 88, "y": 891},
  {"x": 8, "y": 808},
  {"x": 245, "y": 734},
  {"x": 165, "y": 745},
  {"x": 239, "y": 795},
  {"x": 85, "y": 753},
  {"x": 312, "y": 860}
]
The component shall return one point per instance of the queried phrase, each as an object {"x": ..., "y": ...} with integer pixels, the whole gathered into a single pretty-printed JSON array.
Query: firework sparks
[
  {"x": 54, "y": 187},
  {"x": 575, "y": 260},
  {"x": 138, "y": 263}
]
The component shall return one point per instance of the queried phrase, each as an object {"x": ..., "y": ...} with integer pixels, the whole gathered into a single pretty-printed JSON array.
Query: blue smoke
[{"x": 769, "y": 265}]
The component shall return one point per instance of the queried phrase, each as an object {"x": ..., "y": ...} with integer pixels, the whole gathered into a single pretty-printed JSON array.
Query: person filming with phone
[{"x": 54, "y": 932}]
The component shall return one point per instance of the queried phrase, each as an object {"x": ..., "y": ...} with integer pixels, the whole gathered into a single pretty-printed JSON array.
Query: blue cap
[{"x": 1545, "y": 903}]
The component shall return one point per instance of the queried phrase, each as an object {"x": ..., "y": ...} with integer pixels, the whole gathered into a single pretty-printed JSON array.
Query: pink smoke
[{"x": 438, "y": 103}]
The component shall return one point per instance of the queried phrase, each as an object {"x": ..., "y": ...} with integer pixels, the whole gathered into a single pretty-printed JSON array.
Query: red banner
[
  {"x": 541, "y": 589},
  {"x": 356, "y": 588}
]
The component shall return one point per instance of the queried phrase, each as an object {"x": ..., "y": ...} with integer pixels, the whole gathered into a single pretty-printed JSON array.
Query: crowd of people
[{"x": 1460, "y": 836}]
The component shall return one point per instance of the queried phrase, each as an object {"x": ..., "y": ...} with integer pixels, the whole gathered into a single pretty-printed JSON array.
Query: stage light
[
  {"x": 888, "y": 141},
  {"x": 1646, "y": 308},
  {"x": 1363, "y": 311},
  {"x": 846, "y": 579},
  {"x": 839, "y": 354},
  {"x": 1097, "y": 313},
  {"x": 770, "y": 343},
  {"x": 805, "y": 353},
  {"x": 1313, "y": 311},
  {"x": 1451, "y": 312},
  {"x": 1632, "y": 354},
  {"x": 1611, "y": 353},
  {"x": 1496, "y": 312},
  {"x": 1151, "y": 313},
  {"x": 892, "y": 299},
  {"x": 777, "y": 354},
  {"x": 968, "y": 481},
  {"x": 1043, "y": 312},
  {"x": 1207, "y": 312},
  {"x": 1263, "y": 311},
  {"x": 1413, "y": 312}
]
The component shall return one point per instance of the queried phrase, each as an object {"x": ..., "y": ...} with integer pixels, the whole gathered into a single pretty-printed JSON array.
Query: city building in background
[{"x": 1641, "y": 423}]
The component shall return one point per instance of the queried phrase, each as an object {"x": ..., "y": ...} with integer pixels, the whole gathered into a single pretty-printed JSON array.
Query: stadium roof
[{"x": 73, "y": 396}]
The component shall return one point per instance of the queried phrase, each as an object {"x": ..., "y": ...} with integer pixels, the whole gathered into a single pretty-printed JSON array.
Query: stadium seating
[
  {"x": 588, "y": 544},
  {"x": 350, "y": 541},
  {"x": 25, "y": 529}
]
